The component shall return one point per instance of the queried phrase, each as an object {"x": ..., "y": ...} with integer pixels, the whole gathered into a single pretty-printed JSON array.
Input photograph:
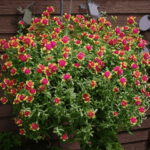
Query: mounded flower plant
[{"x": 79, "y": 77}]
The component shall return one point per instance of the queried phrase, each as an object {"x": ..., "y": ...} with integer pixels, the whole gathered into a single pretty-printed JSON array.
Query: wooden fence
[{"x": 120, "y": 8}]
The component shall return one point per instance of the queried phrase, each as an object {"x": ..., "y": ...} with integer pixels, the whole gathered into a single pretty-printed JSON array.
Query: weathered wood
[
  {"x": 7, "y": 124},
  {"x": 143, "y": 145},
  {"x": 139, "y": 135},
  {"x": 6, "y": 110},
  {"x": 72, "y": 146},
  {"x": 9, "y": 7}
]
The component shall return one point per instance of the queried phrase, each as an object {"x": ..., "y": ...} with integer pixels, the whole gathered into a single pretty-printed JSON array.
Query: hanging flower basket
[{"x": 78, "y": 71}]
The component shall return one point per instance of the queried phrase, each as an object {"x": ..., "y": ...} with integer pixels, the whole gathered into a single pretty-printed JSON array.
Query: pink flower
[
  {"x": 134, "y": 66},
  {"x": 53, "y": 44},
  {"x": 48, "y": 47},
  {"x": 32, "y": 91},
  {"x": 137, "y": 103},
  {"x": 144, "y": 78},
  {"x": 107, "y": 75},
  {"x": 62, "y": 63},
  {"x": 44, "y": 81},
  {"x": 124, "y": 42},
  {"x": 64, "y": 137},
  {"x": 135, "y": 30},
  {"x": 77, "y": 65},
  {"x": 124, "y": 103},
  {"x": 133, "y": 120},
  {"x": 145, "y": 55},
  {"x": 137, "y": 82},
  {"x": 142, "y": 110},
  {"x": 65, "y": 40},
  {"x": 131, "y": 20},
  {"x": 45, "y": 21},
  {"x": 57, "y": 100},
  {"x": 13, "y": 71},
  {"x": 123, "y": 81},
  {"x": 80, "y": 56},
  {"x": 117, "y": 68},
  {"x": 66, "y": 77},
  {"x": 120, "y": 72},
  {"x": 88, "y": 47},
  {"x": 27, "y": 71}
]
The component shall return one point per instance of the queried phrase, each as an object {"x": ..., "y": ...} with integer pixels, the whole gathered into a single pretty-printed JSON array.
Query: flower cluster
[{"x": 78, "y": 71}]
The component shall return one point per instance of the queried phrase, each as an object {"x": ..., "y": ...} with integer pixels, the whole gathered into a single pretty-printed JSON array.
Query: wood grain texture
[
  {"x": 6, "y": 110},
  {"x": 139, "y": 135},
  {"x": 9, "y": 7},
  {"x": 72, "y": 146},
  {"x": 7, "y": 124},
  {"x": 143, "y": 145}
]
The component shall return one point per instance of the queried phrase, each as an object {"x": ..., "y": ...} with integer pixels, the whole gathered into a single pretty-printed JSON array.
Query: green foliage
[
  {"x": 8, "y": 140},
  {"x": 78, "y": 77}
]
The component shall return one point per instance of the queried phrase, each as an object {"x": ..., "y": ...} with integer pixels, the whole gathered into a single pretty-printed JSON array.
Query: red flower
[
  {"x": 115, "y": 113},
  {"x": 29, "y": 99},
  {"x": 116, "y": 89},
  {"x": 34, "y": 126},
  {"x": 4, "y": 57},
  {"x": 64, "y": 137},
  {"x": 27, "y": 113},
  {"x": 93, "y": 84},
  {"x": 91, "y": 114},
  {"x": 22, "y": 132},
  {"x": 44, "y": 81},
  {"x": 144, "y": 78},
  {"x": 19, "y": 122},
  {"x": 4, "y": 100},
  {"x": 133, "y": 120},
  {"x": 86, "y": 97},
  {"x": 136, "y": 74},
  {"x": 32, "y": 91}
]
